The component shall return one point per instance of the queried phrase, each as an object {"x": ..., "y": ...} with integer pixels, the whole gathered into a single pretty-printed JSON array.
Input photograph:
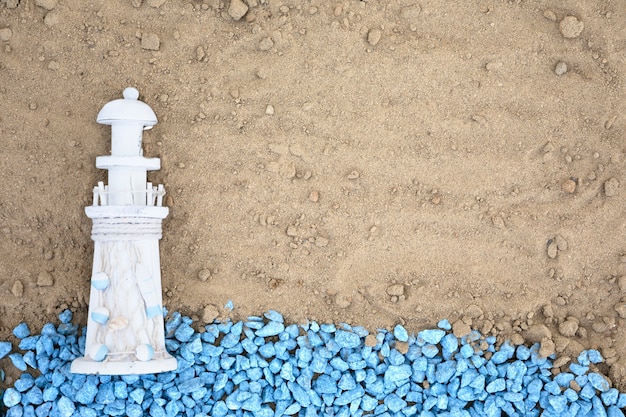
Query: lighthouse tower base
[
  {"x": 125, "y": 327},
  {"x": 86, "y": 365}
]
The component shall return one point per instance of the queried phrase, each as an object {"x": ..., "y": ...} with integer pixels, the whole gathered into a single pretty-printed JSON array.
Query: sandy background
[{"x": 373, "y": 162}]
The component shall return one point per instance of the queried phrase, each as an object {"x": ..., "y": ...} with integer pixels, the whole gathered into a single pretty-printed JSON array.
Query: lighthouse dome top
[{"x": 128, "y": 110}]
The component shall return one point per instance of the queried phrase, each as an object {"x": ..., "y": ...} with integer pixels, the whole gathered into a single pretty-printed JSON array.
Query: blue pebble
[
  {"x": 467, "y": 351},
  {"x": 432, "y": 336},
  {"x": 33, "y": 396},
  {"x": 184, "y": 332},
  {"x": 394, "y": 403},
  {"x": 594, "y": 356},
  {"x": 598, "y": 382},
  {"x": 496, "y": 385},
  {"x": 65, "y": 316},
  {"x": 21, "y": 331},
  {"x": 87, "y": 393},
  {"x": 583, "y": 358},
  {"x": 272, "y": 328},
  {"x": 578, "y": 369},
  {"x": 400, "y": 333},
  {"x": 5, "y": 349},
  {"x": 65, "y": 405},
  {"x": 347, "y": 340},
  {"x": 18, "y": 361},
  {"x": 273, "y": 315},
  {"x": 449, "y": 344},
  {"x": 12, "y": 397},
  {"x": 444, "y": 324},
  {"x": 229, "y": 305}
]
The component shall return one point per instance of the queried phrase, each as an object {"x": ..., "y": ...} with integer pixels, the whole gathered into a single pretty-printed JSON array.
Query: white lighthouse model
[{"x": 125, "y": 330}]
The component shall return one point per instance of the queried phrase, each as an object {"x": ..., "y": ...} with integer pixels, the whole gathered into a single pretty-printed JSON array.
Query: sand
[{"x": 371, "y": 162}]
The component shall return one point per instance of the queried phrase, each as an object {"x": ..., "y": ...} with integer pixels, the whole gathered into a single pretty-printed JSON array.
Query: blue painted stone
[
  {"x": 11, "y": 397},
  {"x": 598, "y": 382},
  {"x": 432, "y": 336},
  {"x": 18, "y": 361},
  {"x": 347, "y": 340},
  {"x": 400, "y": 333},
  {"x": 65, "y": 316},
  {"x": 21, "y": 331},
  {"x": 66, "y": 406},
  {"x": 272, "y": 328}
]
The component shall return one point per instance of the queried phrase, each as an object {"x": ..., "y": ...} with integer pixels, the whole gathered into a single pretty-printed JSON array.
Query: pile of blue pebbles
[{"x": 263, "y": 367}]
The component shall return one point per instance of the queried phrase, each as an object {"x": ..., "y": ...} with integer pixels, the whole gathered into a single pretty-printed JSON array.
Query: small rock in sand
[
  {"x": 47, "y": 4},
  {"x": 621, "y": 282},
  {"x": 210, "y": 313},
  {"x": 237, "y": 9},
  {"x": 610, "y": 187},
  {"x": 571, "y": 27},
  {"x": 550, "y": 15},
  {"x": 150, "y": 41},
  {"x": 156, "y": 3},
  {"x": 45, "y": 279},
  {"x": 561, "y": 243},
  {"x": 18, "y": 288},
  {"x": 460, "y": 328},
  {"x": 266, "y": 44},
  {"x": 204, "y": 274},
  {"x": 569, "y": 327},
  {"x": 536, "y": 333},
  {"x": 370, "y": 340},
  {"x": 395, "y": 290},
  {"x": 560, "y": 68},
  {"x": 373, "y": 36},
  {"x": 552, "y": 249},
  {"x": 547, "y": 348},
  {"x": 314, "y": 196},
  {"x": 5, "y": 34}
]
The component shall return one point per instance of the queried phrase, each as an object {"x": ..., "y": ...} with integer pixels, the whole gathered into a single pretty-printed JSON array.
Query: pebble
[
  {"x": 5, "y": 34},
  {"x": 204, "y": 274},
  {"x": 5, "y": 349},
  {"x": 314, "y": 196},
  {"x": 45, "y": 279},
  {"x": 210, "y": 313},
  {"x": 150, "y": 42},
  {"x": 571, "y": 27},
  {"x": 373, "y": 36},
  {"x": 237, "y": 9},
  {"x": 266, "y": 44},
  {"x": 269, "y": 110},
  {"x": 560, "y": 69},
  {"x": 155, "y": 3},
  {"x": 460, "y": 329},
  {"x": 610, "y": 187},
  {"x": 621, "y": 283},
  {"x": 395, "y": 290},
  {"x": 550, "y": 15},
  {"x": 47, "y": 4},
  {"x": 52, "y": 18},
  {"x": 552, "y": 249},
  {"x": 561, "y": 243},
  {"x": 493, "y": 65},
  {"x": 21, "y": 331},
  {"x": 18, "y": 288},
  {"x": 569, "y": 327}
]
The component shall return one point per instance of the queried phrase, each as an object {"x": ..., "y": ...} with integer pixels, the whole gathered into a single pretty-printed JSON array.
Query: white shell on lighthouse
[{"x": 125, "y": 328}]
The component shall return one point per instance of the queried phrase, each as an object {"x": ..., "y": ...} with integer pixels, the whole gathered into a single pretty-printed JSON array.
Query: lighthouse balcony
[{"x": 150, "y": 196}]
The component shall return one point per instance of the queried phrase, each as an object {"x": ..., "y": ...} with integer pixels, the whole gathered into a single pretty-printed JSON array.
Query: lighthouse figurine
[{"x": 125, "y": 329}]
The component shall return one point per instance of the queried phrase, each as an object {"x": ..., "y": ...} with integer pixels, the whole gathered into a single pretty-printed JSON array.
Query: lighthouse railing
[{"x": 151, "y": 196}]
